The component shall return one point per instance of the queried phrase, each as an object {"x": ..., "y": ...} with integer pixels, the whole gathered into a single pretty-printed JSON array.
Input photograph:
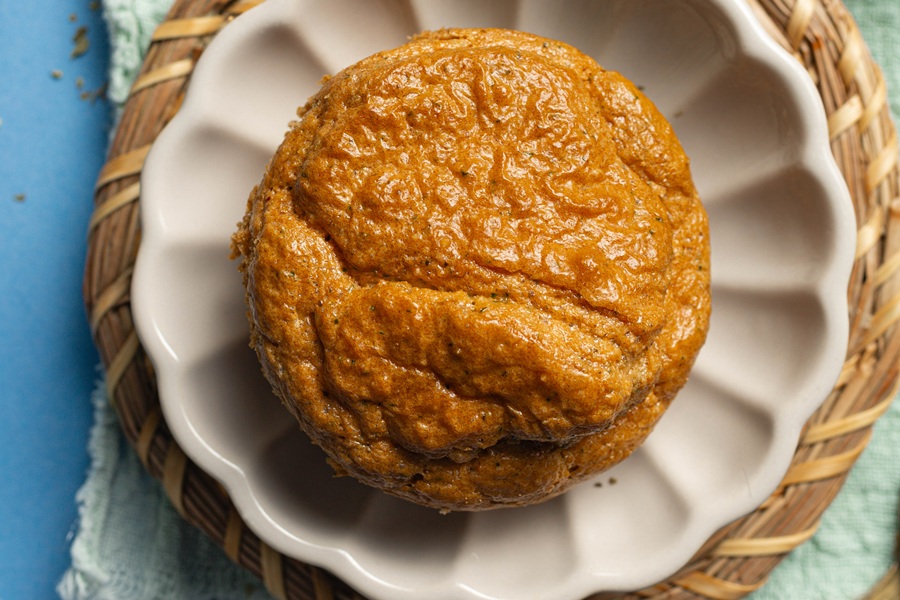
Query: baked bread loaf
[{"x": 477, "y": 269}]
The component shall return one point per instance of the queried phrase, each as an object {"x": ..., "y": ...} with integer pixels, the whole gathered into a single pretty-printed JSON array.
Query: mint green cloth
[
  {"x": 132, "y": 545},
  {"x": 130, "y": 24}
]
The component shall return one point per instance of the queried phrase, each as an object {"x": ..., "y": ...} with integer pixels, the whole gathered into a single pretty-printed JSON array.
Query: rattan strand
[
  {"x": 173, "y": 476},
  {"x": 272, "y": 574},
  {"x": 123, "y": 165},
  {"x": 149, "y": 429},
  {"x": 182, "y": 28},
  {"x": 737, "y": 559},
  {"x": 231, "y": 543},
  {"x": 175, "y": 70},
  {"x": 708, "y": 586},
  {"x": 850, "y": 424},
  {"x": 763, "y": 547},
  {"x": 889, "y": 586}
]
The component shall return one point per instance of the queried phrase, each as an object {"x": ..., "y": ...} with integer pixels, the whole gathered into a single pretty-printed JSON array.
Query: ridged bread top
[{"x": 477, "y": 268}]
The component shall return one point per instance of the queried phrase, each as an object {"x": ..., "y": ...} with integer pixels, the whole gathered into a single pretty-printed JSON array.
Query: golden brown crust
[{"x": 476, "y": 269}]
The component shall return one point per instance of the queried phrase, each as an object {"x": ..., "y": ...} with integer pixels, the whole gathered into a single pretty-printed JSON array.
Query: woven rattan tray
[{"x": 738, "y": 558}]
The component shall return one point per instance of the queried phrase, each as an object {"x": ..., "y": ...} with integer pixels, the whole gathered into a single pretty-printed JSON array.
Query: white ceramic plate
[{"x": 782, "y": 242}]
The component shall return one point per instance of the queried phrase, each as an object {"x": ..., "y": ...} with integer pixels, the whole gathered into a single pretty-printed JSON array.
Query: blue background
[{"x": 52, "y": 145}]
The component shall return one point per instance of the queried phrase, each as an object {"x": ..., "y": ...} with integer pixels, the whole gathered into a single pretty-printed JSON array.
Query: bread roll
[{"x": 477, "y": 269}]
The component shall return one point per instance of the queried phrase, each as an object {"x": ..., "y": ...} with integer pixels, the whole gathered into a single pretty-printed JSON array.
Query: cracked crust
[{"x": 477, "y": 269}]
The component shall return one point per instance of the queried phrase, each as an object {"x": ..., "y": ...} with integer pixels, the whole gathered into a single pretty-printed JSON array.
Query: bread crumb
[
  {"x": 93, "y": 95},
  {"x": 56, "y": 74},
  {"x": 82, "y": 43}
]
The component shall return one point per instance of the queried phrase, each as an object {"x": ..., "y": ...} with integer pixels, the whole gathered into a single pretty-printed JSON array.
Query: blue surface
[{"x": 52, "y": 145}]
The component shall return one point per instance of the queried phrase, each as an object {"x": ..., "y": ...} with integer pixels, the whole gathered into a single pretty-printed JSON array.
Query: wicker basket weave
[{"x": 738, "y": 558}]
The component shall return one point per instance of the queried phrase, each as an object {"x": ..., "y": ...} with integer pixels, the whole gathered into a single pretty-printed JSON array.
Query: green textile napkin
[{"x": 132, "y": 545}]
